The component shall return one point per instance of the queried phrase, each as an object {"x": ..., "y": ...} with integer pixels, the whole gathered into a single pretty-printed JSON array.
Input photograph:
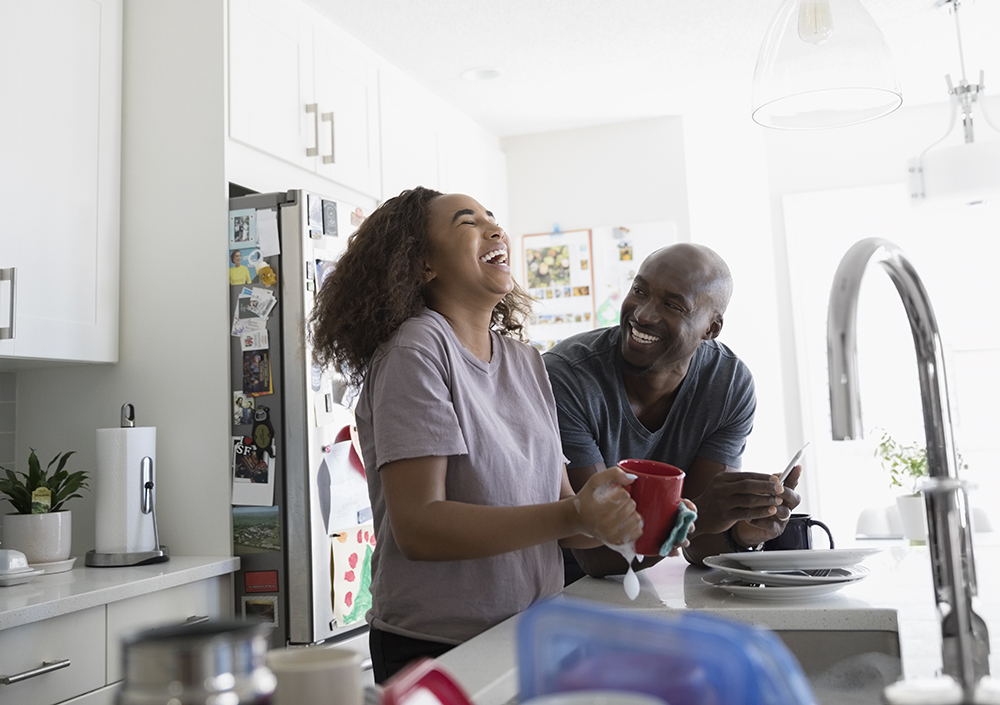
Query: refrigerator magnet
[
  {"x": 253, "y": 474},
  {"x": 242, "y": 409},
  {"x": 242, "y": 229},
  {"x": 315, "y": 212},
  {"x": 267, "y": 232},
  {"x": 330, "y": 218},
  {"x": 256, "y": 529},
  {"x": 261, "y": 608}
]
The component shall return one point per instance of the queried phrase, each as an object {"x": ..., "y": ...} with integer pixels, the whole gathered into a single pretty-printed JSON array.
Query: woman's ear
[{"x": 428, "y": 272}]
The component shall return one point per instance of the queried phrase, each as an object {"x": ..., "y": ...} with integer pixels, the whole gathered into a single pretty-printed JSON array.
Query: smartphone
[{"x": 791, "y": 463}]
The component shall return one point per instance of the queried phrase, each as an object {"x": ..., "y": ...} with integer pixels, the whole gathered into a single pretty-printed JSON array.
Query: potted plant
[
  {"x": 40, "y": 527},
  {"x": 907, "y": 466}
]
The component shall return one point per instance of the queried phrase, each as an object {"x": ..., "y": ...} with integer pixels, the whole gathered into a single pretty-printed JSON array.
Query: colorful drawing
[
  {"x": 351, "y": 572},
  {"x": 548, "y": 266}
]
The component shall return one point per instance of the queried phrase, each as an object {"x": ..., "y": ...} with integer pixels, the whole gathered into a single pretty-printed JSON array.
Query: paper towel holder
[{"x": 159, "y": 555}]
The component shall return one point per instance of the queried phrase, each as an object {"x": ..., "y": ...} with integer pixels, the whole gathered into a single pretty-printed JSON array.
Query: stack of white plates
[{"x": 787, "y": 575}]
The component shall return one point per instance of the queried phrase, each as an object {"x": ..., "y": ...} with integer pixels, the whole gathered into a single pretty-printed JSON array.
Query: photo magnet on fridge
[
  {"x": 253, "y": 474},
  {"x": 256, "y": 529},
  {"x": 330, "y": 218},
  {"x": 261, "y": 608},
  {"x": 243, "y": 263},
  {"x": 242, "y": 409},
  {"x": 257, "y": 373},
  {"x": 315, "y": 212},
  {"x": 242, "y": 229}
]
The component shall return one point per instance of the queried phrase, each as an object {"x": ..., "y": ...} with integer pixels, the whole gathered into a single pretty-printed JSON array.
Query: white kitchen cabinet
[
  {"x": 301, "y": 90},
  {"x": 409, "y": 122},
  {"x": 76, "y": 638},
  {"x": 60, "y": 81}
]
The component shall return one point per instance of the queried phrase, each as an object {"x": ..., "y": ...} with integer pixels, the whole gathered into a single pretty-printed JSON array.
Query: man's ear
[{"x": 714, "y": 328}]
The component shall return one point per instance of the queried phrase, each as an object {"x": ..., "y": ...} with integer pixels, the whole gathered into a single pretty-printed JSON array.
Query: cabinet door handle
[
  {"x": 10, "y": 274},
  {"x": 330, "y": 158},
  {"x": 313, "y": 108},
  {"x": 195, "y": 619},
  {"x": 46, "y": 667}
]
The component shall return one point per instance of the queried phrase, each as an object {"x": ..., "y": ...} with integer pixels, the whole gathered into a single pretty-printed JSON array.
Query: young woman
[{"x": 458, "y": 428}]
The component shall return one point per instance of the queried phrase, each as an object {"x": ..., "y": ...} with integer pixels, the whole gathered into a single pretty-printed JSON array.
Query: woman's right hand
[{"x": 606, "y": 510}]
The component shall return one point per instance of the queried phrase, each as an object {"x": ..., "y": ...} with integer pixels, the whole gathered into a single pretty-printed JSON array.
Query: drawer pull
[
  {"x": 196, "y": 619},
  {"x": 46, "y": 667}
]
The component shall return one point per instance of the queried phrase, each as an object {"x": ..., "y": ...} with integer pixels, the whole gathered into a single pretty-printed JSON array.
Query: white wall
[{"x": 174, "y": 296}]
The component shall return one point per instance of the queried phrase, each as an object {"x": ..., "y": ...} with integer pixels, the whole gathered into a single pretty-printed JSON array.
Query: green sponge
[{"x": 685, "y": 518}]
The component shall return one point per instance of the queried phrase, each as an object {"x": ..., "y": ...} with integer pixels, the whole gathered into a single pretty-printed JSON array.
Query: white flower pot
[
  {"x": 43, "y": 538},
  {"x": 913, "y": 517}
]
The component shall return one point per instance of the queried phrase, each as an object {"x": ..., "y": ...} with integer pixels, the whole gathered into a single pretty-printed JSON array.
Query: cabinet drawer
[
  {"x": 205, "y": 598},
  {"x": 77, "y": 637}
]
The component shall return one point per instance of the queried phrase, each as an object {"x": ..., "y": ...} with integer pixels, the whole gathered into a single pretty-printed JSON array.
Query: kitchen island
[
  {"x": 850, "y": 642},
  {"x": 76, "y": 620}
]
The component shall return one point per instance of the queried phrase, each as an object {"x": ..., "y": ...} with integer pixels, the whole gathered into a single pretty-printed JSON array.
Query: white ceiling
[{"x": 573, "y": 63}]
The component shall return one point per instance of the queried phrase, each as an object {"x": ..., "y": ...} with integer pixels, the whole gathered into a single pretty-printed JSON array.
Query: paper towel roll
[{"x": 121, "y": 525}]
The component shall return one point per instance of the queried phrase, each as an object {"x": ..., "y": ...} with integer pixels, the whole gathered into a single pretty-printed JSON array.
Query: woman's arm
[{"x": 429, "y": 527}]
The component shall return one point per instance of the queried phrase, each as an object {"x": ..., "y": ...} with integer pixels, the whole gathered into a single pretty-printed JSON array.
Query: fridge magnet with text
[
  {"x": 262, "y": 609},
  {"x": 261, "y": 302},
  {"x": 267, "y": 232},
  {"x": 242, "y": 228},
  {"x": 351, "y": 574},
  {"x": 254, "y": 340},
  {"x": 315, "y": 206},
  {"x": 260, "y": 581},
  {"x": 253, "y": 474},
  {"x": 330, "y": 218},
  {"x": 256, "y": 530},
  {"x": 257, "y": 373},
  {"x": 242, "y": 409},
  {"x": 245, "y": 320},
  {"x": 243, "y": 264}
]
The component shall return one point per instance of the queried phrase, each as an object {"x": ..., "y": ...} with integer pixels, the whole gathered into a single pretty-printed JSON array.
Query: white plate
[
  {"x": 23, "y": 576},
  {"x": 787, "y": 579},
  {"x": 811, "y": 559},
  {"x": 736, "y": 586},
  {"x": 55, "y": 566}
]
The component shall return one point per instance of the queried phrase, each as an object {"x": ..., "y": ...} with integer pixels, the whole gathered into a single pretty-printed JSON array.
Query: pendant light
[
  {"x": 823, "y": 63},
  {"x": 966, "y": 173}
]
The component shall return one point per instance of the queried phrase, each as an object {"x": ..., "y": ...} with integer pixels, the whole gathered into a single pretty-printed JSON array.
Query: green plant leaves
[{"x": 63, "y": 485}]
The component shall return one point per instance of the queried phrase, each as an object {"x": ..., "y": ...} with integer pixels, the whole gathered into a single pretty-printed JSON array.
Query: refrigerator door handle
[
  {"x": 331, "y": 157},
  {"x": 314, "y": 109},
  {"x": 10, "y": 274}
]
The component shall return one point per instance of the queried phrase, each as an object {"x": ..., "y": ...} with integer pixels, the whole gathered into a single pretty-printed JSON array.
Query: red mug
[{"x": 657, "y": 495}]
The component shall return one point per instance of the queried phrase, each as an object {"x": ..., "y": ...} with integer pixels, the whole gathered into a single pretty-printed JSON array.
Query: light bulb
[{"x": 815, "y": 21}]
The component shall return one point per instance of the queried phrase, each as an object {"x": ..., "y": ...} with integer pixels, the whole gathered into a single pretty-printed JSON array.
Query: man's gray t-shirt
[
  {"x": 426, "y": 395},
  {"x": 711, "y": 416}
]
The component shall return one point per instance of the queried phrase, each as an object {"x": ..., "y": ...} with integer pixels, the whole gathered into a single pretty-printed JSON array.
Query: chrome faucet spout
[{"x": 965, "y": 642}]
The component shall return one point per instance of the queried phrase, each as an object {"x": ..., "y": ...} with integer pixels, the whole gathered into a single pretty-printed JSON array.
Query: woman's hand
[{"x": 605, "y": 509}]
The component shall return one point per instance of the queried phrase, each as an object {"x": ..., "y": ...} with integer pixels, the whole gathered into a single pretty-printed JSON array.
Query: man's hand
[
  {"x": 756, "y": 531},
  {"x": 731, "y": 497}
]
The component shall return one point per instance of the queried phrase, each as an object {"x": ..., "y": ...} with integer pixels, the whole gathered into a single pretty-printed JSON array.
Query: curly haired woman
[{"x": 458, "y": 428}]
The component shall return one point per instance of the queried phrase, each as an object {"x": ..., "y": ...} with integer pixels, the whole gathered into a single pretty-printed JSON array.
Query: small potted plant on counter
[
  {"x": 907, "y": 466},
  {"x": 40, "y": 527}
]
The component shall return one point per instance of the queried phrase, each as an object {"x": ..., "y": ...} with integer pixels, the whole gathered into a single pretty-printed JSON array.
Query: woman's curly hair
[{"x": 378, "y": 283}]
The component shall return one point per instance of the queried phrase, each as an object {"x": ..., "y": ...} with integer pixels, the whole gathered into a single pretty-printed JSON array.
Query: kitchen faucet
[{"x": 965, "y": 641}]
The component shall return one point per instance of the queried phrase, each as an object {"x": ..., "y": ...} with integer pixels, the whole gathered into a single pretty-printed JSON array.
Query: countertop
[
  {"x": 897, "y": 596},
  {"x": 83, "y": 587}
]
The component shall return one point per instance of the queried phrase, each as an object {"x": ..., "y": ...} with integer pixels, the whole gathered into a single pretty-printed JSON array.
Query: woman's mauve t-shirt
[{"x": 426, "y": 395}]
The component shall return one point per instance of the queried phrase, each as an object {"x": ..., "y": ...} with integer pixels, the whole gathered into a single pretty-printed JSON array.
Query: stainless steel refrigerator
[{"x": 301, "y": 515}]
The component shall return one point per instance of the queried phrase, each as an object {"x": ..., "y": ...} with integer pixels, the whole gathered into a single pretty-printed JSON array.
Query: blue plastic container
[{"x": 694, "y": 659}]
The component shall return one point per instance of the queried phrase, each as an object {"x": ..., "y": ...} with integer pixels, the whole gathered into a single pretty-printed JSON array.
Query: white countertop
[
  {"x": 896, "y": 596},
  {"x": 83, "y": 587}
]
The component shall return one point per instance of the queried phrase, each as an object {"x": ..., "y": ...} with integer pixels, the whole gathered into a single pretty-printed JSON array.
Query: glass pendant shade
[{"x": 823, "y": 63}]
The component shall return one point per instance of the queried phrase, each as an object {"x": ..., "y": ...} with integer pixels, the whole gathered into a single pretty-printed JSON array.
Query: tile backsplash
[{"x": 8, "y": 416}]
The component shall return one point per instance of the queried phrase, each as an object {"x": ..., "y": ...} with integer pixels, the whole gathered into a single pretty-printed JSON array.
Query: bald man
[{"x": 660, "y": 386}]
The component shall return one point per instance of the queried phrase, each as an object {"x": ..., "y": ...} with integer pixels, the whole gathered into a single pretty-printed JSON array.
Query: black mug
[{"x": 796, "y": 535}]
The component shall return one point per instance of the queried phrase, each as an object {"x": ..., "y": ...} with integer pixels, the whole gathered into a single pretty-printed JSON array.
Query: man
[{"x": 659, "y": 386}]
